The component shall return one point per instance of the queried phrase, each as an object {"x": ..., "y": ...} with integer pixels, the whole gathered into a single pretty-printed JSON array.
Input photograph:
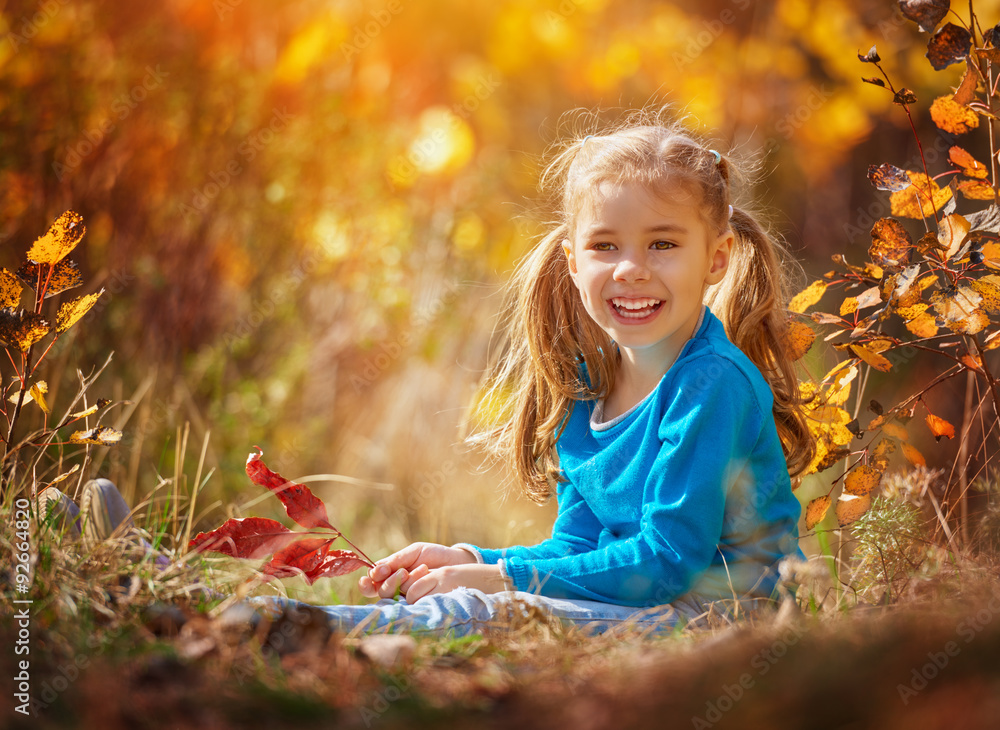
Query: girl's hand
[
  {"x": 424, "y": 581},
  {"x": 386, "y": 579}
]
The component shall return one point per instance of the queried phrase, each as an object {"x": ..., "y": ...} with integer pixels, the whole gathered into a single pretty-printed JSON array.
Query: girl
[
  {"x": 646, "y": 383},
  {"x": 651, "y": 388}
]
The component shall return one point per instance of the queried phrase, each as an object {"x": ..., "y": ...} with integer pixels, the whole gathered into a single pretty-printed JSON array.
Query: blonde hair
[{"x": 547, "y": 332}]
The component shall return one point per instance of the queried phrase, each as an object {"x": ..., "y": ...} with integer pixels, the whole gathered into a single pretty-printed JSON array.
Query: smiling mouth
[{"x": 635, "y": 308}]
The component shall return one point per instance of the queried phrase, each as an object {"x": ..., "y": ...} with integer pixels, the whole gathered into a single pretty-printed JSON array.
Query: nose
[{"x": 632, "y": 267}]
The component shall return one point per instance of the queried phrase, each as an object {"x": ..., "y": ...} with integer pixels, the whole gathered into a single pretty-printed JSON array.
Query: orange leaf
[
  {"x": 798, "y": 338},
  {"x": 807, "y": 297},
  {"x": 969, "y": 164},
  {"x": 991, "y": 254},
  {"x": 912, "y": 455},
  {"x": 883, "y": 451},
  {"x": 862, "y": 480},
  {"x": 816, "y": 511},
  {"x": 850, "y": 507},
  {"x": 896, "y": 430},
  {"x": 872, "y": 358},
  {"x": 891, "y": 245},
  {"x": 923, "y": 325},
  {"x": 976, "y": 190},
  {"x": 940, "y": 427},
  {"x": 952, "y": 117},
  {"x": 921, "y": 199},
  {"x": 849, "y": 306},
  {"x": 966, "y": 91},
  {"x": 972, "y": 362}
]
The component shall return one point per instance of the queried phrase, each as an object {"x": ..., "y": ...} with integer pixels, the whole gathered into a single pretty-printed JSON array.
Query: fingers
[
  {"x": 424, "y": 586},
  {"x": 367, "y": 587},
  {"x": 407, "y": 558},
  {"x": 416, "y": 574},
  {"x": 390, "y": 587}
]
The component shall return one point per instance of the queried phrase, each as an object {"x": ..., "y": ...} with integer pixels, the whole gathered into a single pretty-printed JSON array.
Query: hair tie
[
  {"x": 718, "y": 157},
  {"x": 589, "y": 136},
  {"x": 730, "y": 212}
]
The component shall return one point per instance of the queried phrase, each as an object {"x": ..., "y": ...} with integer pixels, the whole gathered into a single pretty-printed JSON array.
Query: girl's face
[{"x": 642, "y": 262}]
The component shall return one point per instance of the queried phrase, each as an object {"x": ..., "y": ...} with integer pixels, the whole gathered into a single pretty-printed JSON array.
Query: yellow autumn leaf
[
  {"x": 923, "y": 325},
  {"x": 65, "y": 475},
  {"x": 884, "y": 449},
  {"x": 976, "y": 190},
  {"x": 71, "y": 312},
  {"x": 798, "y": 338},
  {"x": 807, "y": 297},
  {"x": 840, "y": 378},
  {"x": 61, "y": 238},
  {"x": 848, "y": 306},
  {"x": 816, "y": 511},
  {"x": 913, "y": 455},
  {"x": 872, "y": 358},
  {"x": 953, "y": 117},
  {"x": 10, "y": 289},
  {"x": 37, "y": 392},
  {"x": 100, "y": 436},
  {"x": 862, "y": 480},
  {"x": 921, "y": 199},
  {"x": 53, "y": 279},
  {"x": 101, "y": 403},
  {"x": 850, "y": 507},
  {"x": 22, "y": 328},
  {"x": 896, "y": 430},
  {"x": 988, "y": 288}
]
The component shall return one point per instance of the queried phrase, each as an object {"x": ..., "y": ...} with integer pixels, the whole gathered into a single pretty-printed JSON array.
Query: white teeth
[
  {"x": 634, "y": 303},
  {"x": 635, "y": 308}
]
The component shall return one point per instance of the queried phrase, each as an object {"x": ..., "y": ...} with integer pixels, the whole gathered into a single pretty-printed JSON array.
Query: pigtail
[
  {"x": 537, "y": 375},
  {"x": 752, "y": 304}
]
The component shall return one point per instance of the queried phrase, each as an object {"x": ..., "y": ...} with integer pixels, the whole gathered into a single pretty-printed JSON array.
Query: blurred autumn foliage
[{"x": 299, "y": 212}]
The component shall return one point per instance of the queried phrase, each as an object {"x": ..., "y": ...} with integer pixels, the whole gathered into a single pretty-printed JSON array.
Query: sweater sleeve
[
  {"x": 576, "y": 530},
  {"x": 706, "y": 435}
]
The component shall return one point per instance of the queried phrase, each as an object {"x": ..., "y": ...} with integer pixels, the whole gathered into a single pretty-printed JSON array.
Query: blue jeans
[{"x": 467, "y": 611}]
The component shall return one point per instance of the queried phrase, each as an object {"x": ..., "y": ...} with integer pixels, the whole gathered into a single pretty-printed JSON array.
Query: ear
[
  {"x": 721, "y": 250},
  {"x": 567, "y": 247}
]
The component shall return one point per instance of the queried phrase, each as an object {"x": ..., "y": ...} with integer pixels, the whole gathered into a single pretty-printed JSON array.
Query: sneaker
[
  {"x": 59, "y": 510},
  {"x": 103, "y": 511}
]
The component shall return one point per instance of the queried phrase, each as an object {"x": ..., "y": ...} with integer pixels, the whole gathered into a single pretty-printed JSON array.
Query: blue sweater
[{"x": 688, "y": 492}]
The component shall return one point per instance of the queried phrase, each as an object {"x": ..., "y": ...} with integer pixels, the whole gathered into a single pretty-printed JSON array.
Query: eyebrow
[{"x": 665, "y": 228}]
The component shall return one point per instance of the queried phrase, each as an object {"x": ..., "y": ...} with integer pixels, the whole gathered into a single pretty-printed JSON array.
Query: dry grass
[{"x": 150, "y": 651}]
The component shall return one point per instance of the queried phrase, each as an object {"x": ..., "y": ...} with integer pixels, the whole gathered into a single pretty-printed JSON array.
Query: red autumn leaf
[
  {"x": 311, "y": 558},
  {"x": 301, "y": 557},
  {"x": 301, "y": 504},
  {"x": 338, "y": 562},
  {"x": 252, "y": 537}
]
